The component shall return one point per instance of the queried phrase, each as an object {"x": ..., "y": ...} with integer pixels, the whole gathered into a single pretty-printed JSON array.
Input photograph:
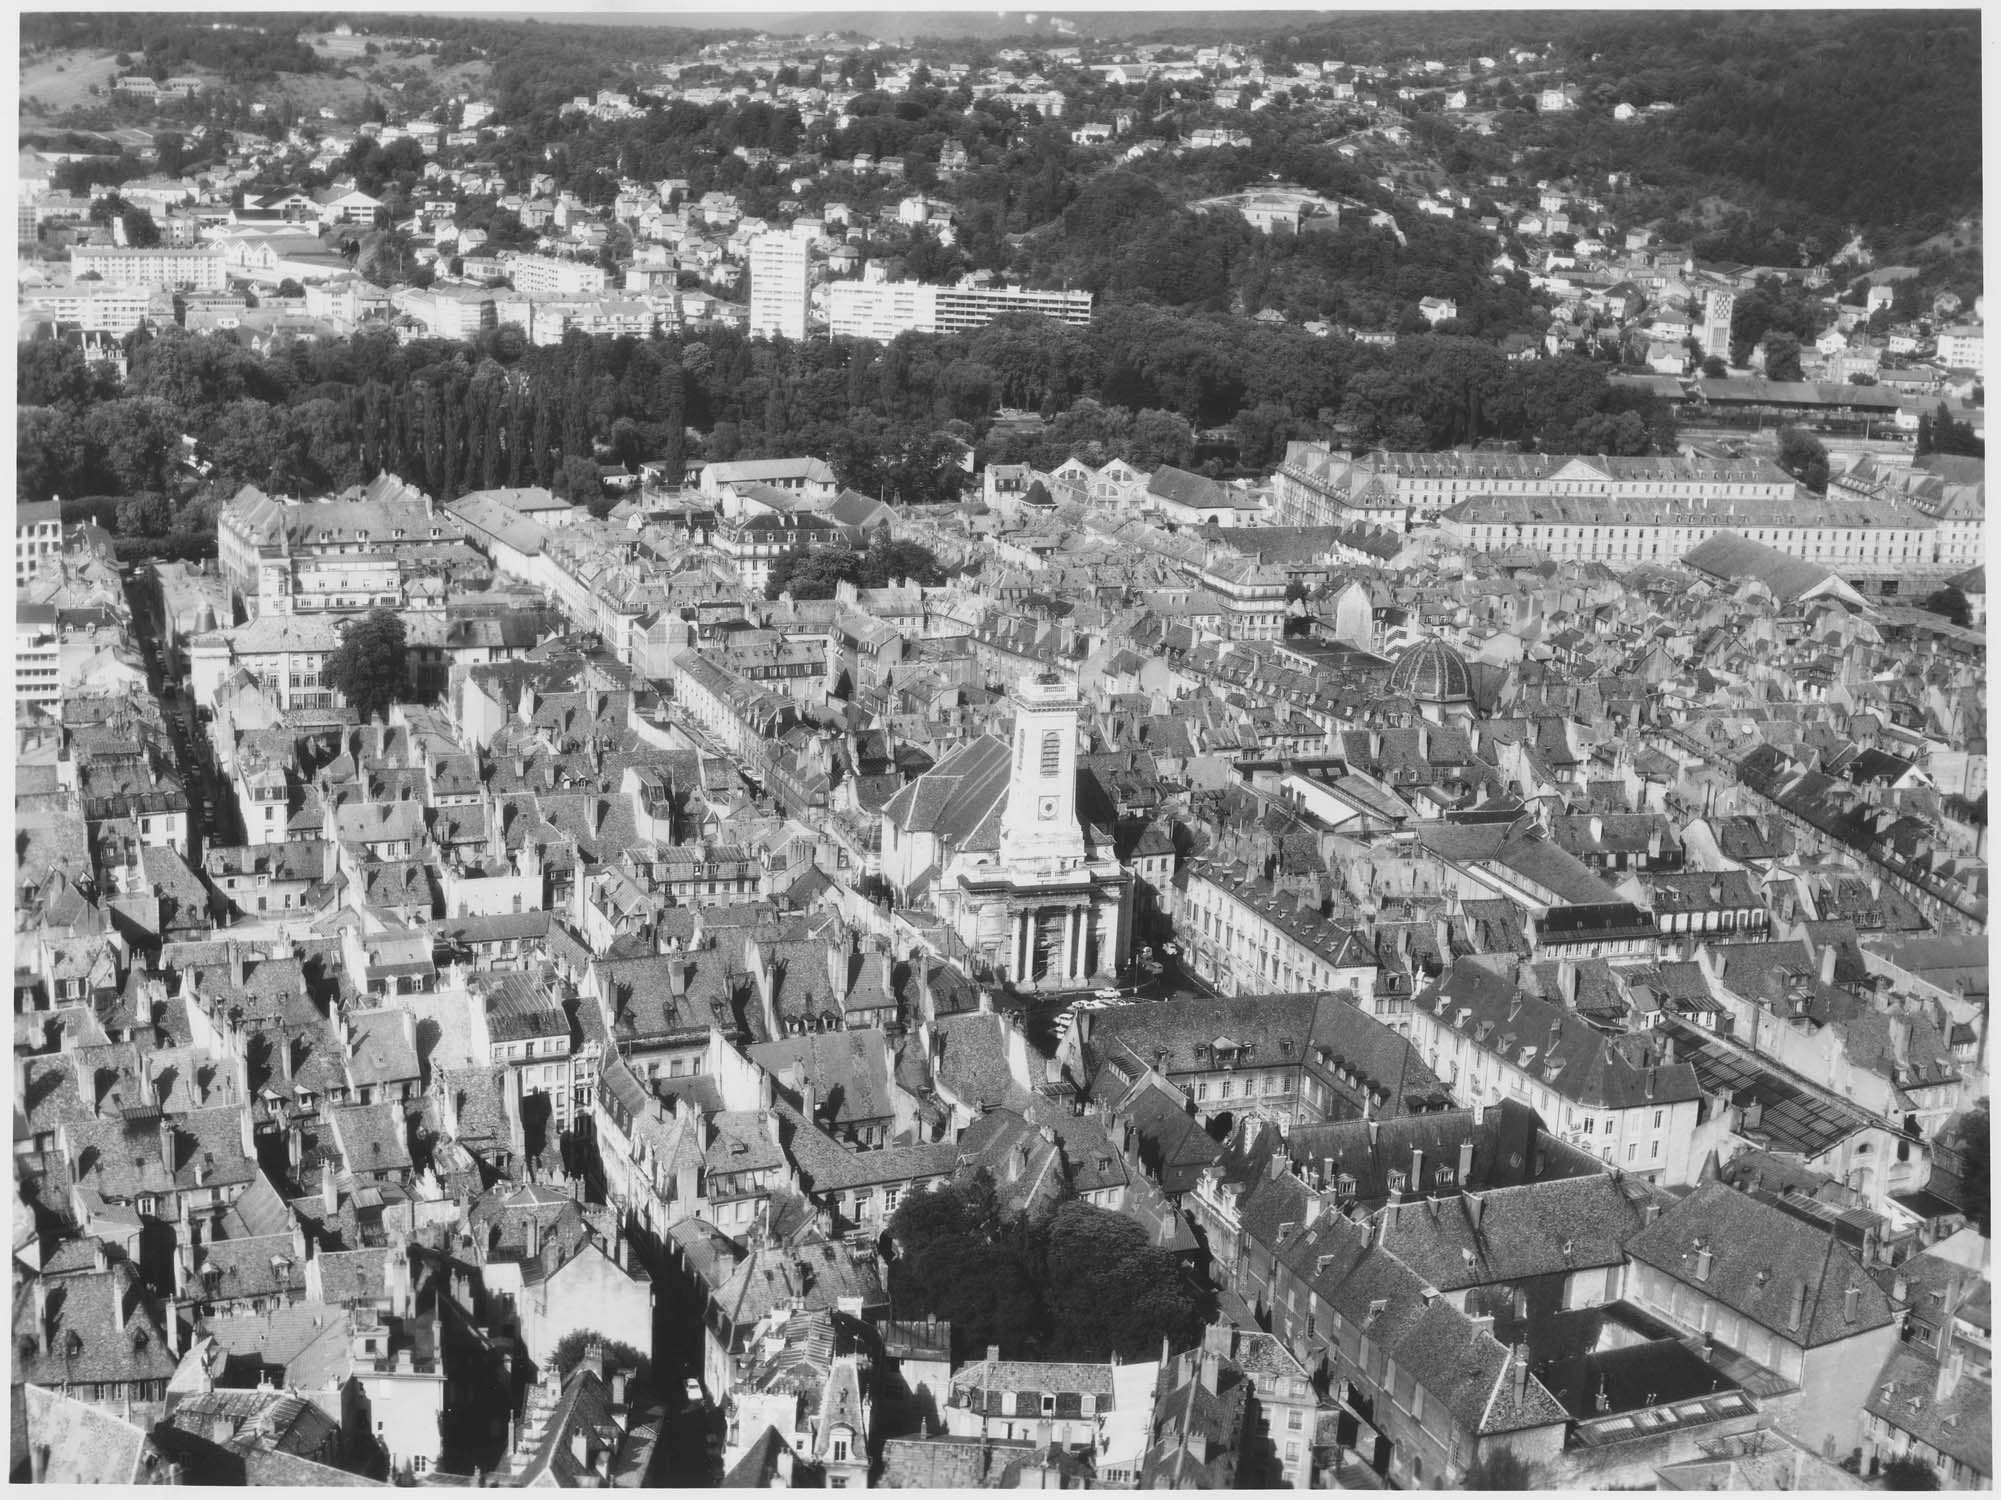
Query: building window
[{"x": 1052, "y": 752}]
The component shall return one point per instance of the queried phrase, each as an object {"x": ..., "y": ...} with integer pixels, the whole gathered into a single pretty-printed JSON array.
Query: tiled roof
[
  {"x": 84, "y": 1443},
  {"x": 1012, "y": 1377},
  {"x": 1579, "y": 1062},
  {"x": 1760, "y": 1258},
  {"x": 1535, "y": 1229},
  {"x": 81, "y": 1322},
  {"x": 953, "y": 799}
]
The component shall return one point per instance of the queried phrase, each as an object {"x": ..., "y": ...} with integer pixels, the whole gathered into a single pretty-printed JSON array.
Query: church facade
[{"x": 991, "y": 840}]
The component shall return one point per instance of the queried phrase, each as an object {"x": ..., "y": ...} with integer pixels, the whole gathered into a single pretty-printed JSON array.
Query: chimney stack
[
  {"x": 1797, "y": 1309},
  {"x": 1417, "y": 1170},
  {"x": 1465, "y": 1162},
  {"x": 1949, "y": 1372},
  {"x": 1948, "y": 1308}
]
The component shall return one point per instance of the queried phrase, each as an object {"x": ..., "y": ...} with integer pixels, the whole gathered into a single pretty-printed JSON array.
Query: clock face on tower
[{"x": 1046, "y": 808}]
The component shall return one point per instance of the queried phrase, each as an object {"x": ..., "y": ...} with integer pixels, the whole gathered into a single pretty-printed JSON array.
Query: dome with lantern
[{"x": 1432, "y": 671}]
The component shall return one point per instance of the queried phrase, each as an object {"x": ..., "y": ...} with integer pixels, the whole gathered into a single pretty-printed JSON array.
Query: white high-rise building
[
  {"x": 1717, "y": 310},
  {"x": 778, "y": 286}
]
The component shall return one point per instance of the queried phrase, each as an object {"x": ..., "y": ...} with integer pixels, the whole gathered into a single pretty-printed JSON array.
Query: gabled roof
[{"x": 953, "y": 799}]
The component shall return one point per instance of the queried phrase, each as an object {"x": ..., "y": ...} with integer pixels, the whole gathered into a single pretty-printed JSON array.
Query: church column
[
  {"x": 1023, "y": 924},
  {"x": 1075, "y": 966}
]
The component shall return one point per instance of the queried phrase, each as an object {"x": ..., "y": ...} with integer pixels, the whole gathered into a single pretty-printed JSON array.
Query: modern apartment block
[
  {"x": 883, "y": 309},
  {"x": 778, "y": 286}
]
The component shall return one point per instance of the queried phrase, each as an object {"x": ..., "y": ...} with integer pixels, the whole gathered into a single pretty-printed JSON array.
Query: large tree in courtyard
[{"x": 370, "y": 668}]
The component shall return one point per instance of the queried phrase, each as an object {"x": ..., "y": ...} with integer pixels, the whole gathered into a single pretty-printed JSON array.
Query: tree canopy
[
  {"x": 1079, "y": 1282},
  {"x": 815, "y": 572},
  {"x": 1803, "y": 456},
  {"x": 1976, "y": 1153},
  {"x": 1503, "y": 1469},
  {"x": 370, "y": 666},
  {"x": 1909, "y": 1473}
]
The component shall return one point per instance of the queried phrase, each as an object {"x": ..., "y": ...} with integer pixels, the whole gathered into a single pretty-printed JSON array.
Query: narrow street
[{"x": 211, "y": 817}]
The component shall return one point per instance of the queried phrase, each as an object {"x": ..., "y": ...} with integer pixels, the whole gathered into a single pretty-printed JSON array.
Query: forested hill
[
  {"x": 1874, "y": 118},
  {"x": 1867, "y": 119}
]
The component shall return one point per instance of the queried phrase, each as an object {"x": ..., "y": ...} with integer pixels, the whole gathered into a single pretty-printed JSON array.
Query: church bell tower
[{"x": 1039, "y": 823}]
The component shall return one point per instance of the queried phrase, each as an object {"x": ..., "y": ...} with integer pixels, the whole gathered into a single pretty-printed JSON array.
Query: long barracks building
[
  {"x": 1838, "y": 533},
  {"x": 1316, "y": 486}
]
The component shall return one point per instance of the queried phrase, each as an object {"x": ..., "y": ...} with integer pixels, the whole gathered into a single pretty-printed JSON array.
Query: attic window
[{"x": 1398, "y": 1182}]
